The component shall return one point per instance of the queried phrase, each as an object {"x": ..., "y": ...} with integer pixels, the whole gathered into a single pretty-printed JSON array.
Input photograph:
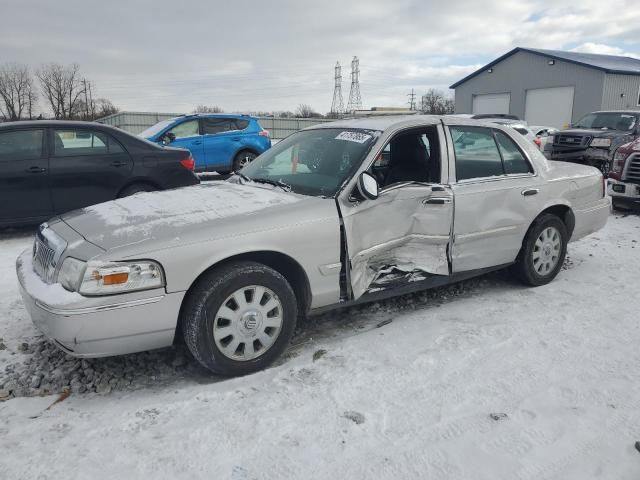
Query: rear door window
[
  {"x": 212, "y": 126},
  {"x": 476, "y": 152},
  {"x": 76, "y": 142},
  {"x": 21, "y": 145},
  {"x": 242, "y": 124},
  {"x": 514, "y": 160}
]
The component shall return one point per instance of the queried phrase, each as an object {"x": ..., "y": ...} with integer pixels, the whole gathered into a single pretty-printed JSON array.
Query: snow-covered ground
[{"x": 484, "y": 380}]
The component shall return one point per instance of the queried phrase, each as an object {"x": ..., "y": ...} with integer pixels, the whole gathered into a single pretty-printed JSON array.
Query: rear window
[
  {"x": 21, "y": 145},
  {"x": 514, "y": 161},
  {"x": 242, "y": 124},
  {"x": 76, "y": 142},
  {"x": 211, "y": 126},
  {"x": 522, "y": 131}
]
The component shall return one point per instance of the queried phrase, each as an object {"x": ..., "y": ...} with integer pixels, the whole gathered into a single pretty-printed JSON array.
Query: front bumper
[
  {"x": 99, "y": 326},
  {"x": 588, "y": 155},
  {"x": 625, "y": 193}
]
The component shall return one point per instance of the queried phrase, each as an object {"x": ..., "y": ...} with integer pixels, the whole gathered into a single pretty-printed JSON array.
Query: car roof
[
  {"x": 626, "y": 112},
  {"x": 385, "y": 122},
  {"x": 58, "y": 123},
  {"x": 214, "y": 115}
]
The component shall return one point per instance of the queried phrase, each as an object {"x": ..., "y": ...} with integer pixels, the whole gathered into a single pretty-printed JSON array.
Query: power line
[
  {"x": 412, "y": 100},
  {"x": 337, "y": 106},
  {"x": 355, "y": 101}
]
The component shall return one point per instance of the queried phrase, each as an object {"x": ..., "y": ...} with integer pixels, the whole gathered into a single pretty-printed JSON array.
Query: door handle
[
  {"x": 530, "y": 191},
  {"x": 436, "y": 201},
  {"x": 197, "y": 142},
  {"x": 236, "y": 139},
  {"x": 118, "y": 163},
  {"x": 35, "y": 169}
]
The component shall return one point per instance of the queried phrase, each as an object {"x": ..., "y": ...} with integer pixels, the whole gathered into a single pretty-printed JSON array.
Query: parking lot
[{"x": 485, "y": 379}]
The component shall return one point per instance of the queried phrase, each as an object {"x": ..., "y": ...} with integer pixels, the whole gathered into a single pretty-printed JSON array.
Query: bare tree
[
  {"x": 104, "y": 107},
  {"x": 208, "y": 109},
  {"x": 17, "y": 93},
  {"x": 436, "y": 102},
  {"x": 306, "y": 111},
  {"x": 62, "y": 87}
]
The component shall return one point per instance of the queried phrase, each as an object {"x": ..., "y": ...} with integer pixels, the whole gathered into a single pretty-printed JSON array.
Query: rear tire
[
  {"x": 136, "y": 188},
  {"x": 243, "y": 158},
  {"x": 239, "y": 318},
  {"x": 543, "y": 251}
]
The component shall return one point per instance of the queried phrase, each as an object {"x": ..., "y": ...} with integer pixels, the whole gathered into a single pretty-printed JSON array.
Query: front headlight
[
  {"x": 600, "y": 142},
  {"x": 71, "y": 273},
  {"x": 119, "y": 277},
  {"x": 618, "y": 162}
]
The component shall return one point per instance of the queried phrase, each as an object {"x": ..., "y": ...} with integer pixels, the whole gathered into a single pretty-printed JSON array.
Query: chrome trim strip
[
  {"x": 486, "y": 233},
  {"x": 100, "y": 308}
]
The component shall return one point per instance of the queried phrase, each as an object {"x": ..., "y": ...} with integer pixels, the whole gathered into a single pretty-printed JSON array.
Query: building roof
[{"x": 605, "y": 63}]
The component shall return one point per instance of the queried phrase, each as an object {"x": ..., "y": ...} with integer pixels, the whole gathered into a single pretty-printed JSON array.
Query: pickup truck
[
  {"x": 594, "y": 139},
  {"x": 623, "y": 184}
]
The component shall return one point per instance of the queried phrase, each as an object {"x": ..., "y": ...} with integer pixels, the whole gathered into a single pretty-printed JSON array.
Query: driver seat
[{"x": 409, "y": 160}]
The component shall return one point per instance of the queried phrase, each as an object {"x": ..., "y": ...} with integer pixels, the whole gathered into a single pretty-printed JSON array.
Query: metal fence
[{"x": 136, "y": 122}]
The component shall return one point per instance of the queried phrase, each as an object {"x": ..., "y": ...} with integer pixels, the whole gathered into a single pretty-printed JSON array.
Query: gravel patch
[{"x": 40, "y": 368}]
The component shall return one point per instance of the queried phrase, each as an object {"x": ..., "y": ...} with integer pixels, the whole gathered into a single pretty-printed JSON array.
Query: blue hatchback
[{"x": 216, "y": 141}]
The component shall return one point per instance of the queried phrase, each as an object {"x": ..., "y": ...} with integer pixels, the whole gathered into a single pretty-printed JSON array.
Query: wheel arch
[
  {"x": 560, "y": 210},
  {"x": 287, "y": 266},
  {"x": 245, "y": 148},
  {"x": 138, "y": 181}
]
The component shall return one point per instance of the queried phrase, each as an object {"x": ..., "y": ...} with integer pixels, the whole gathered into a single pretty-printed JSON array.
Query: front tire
[
  {"x": 239, "y": 318},
  {"x": 543, "y": 251}
]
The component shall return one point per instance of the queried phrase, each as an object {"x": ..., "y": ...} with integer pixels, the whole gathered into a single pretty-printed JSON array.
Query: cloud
[
  {"x": 245, "y": 55},
  {"x": 602, "y": 49}
]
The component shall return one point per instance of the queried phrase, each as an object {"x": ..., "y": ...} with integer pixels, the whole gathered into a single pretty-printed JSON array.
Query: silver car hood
[{"x": 206, "y": 210}]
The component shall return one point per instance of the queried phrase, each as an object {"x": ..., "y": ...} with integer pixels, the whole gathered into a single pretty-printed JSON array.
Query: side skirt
[{"x": 433, "y": 281}]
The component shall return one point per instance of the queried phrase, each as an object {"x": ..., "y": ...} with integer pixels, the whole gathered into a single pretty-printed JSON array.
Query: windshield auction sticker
[{"x": 353, "y": 137}]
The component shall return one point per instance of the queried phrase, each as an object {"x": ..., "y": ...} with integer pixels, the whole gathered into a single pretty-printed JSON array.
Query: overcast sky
[{"x": 273, "y": 55}]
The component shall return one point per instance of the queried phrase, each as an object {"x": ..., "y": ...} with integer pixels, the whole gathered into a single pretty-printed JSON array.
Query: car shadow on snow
[{"x": 40, "y": 368}]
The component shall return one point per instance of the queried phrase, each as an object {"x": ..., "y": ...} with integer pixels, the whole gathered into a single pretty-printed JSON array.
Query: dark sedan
[{"x": 51, "y": 167}]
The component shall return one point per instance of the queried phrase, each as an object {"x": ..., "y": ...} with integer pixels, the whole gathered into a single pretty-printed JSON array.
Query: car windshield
[
  {"x": 608, "y": 121},
  {"x": 313, "y": 162},
  {"x": 157, "y": 128}
]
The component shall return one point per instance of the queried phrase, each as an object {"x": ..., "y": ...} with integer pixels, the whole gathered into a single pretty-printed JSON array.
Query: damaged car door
[{"x": 403, "y": 235}]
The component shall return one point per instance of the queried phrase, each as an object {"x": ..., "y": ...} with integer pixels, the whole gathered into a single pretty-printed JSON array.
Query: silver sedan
[{"x": 338, "y": 214}]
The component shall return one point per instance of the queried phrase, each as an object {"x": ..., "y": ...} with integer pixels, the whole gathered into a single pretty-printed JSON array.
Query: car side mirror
[
  {"x": 368, "y": 186},
  {"x": 168, "y": 138}
]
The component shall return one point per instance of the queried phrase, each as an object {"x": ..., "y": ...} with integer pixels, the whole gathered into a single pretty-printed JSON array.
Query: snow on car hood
[{"x": 157, "y": 215}]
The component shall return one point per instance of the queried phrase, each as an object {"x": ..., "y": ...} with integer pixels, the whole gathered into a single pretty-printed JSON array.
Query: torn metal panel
[{"x": 400, "y": 229}]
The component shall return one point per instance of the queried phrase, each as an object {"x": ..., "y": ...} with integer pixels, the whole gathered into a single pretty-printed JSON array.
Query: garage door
[
  {"x": 491, "y": 103},
  {"x": 549, "y": 106}
]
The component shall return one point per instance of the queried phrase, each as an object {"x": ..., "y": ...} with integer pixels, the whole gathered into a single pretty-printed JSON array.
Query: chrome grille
[
  {"x": 48, "y": 247},
  {"x": 633, "y": 169},
  {"x": 43, "y": 261},
  {"x": 571, "y": 140}
]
